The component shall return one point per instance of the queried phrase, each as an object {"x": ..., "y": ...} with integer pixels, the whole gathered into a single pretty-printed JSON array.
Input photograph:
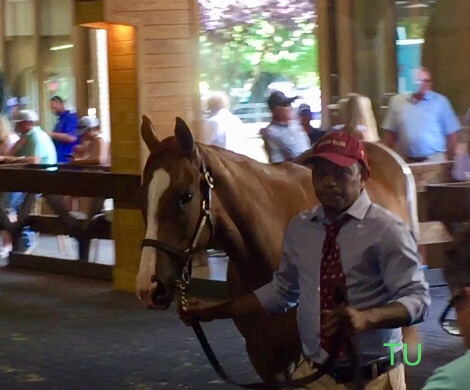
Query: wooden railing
[
  {"x": 91, "y": 182},
  {"x": 440, "y": 202}
]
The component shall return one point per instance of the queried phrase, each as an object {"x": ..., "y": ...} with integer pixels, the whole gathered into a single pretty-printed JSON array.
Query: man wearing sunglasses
[{"x": 456, "y": 375}]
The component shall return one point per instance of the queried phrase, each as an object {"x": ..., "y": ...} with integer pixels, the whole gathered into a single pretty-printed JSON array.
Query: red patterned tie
[{"x": 331, "y": 276}]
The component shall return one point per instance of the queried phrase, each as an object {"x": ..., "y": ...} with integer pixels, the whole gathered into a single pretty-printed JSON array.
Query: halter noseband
[{"x": 207, "y": 184}]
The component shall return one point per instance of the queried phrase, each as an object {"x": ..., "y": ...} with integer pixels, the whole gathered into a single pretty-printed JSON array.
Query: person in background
[
  {"x": 422, "y": 126},
  {"x": 305, "y": 117},
  {"x": 461, "y": 168},
  {"x": 456, "y": 374},
  {"x": 222, "y": 128},
  {"x": 95, "y": 149},
  {"x": 13, "y": 106},
  {"x": 34, "y": 147},
  {"x": 65, "y": 131},
  {"x": 283, "y": 140},
  {"x": 8, "y": 139}
]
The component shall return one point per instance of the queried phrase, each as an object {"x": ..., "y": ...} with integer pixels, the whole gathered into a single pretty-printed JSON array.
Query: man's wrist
[{"x": 390, "y": 316}]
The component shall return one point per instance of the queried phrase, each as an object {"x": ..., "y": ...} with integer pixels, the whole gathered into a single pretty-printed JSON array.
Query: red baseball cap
[{"x": 340, "y": 148}]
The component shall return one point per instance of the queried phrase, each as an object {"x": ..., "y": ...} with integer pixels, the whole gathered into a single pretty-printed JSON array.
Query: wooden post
[
  {"x": 2, "y": 35},
  {"x": 375, "y": 49},
  {"x": 345, "y": 45},
  {"x": 324, "y": 59}
]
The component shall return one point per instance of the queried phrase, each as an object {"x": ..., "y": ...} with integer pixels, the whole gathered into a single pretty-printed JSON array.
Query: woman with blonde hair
[
  {"x": 8, "y": 139},
  {"x": 358, "y": 117}
]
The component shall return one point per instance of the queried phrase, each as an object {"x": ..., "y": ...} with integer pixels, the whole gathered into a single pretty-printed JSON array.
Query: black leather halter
[{"x": 206, "y": 218}]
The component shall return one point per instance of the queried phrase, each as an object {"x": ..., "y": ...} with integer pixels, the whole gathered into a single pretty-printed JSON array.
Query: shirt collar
[
  {"x": 62, "y": 114},
  {"x": 427, "y": 96},
  {"x": 358, "y": 209},
  {"x": 276, "y": 123}
]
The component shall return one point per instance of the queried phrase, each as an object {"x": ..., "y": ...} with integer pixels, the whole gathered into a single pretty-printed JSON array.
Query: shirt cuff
[
  {"x": 417, "y": 307},
  {"x": 269, "y": 299}
]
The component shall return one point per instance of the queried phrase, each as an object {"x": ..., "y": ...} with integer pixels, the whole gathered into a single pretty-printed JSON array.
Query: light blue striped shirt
[
  {"x": 381, "y": 264},
  {"x": 422, "y": 127},
  {"x": 284, "y": 142}
]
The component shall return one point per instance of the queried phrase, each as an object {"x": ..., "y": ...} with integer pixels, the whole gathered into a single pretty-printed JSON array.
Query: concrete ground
[{"x": 65, "y": 333}]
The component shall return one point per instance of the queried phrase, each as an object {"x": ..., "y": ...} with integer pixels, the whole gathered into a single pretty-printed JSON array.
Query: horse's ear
[
  {"x": 148, "y": 133},
  {"x": 183, "y": 136}
]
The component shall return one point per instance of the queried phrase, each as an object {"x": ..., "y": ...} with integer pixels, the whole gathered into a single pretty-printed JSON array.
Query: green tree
[{"x": 256, "y": 42}]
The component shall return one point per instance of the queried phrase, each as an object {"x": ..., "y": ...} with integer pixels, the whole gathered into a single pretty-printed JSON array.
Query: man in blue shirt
[
  {"x": 65, "y": 132},
  {"x": 384, "y": 285},
  {"x": 423, "y": 126}
]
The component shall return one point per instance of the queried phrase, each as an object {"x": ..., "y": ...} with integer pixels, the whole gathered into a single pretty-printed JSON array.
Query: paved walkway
[{"x": 66, "y": 333}]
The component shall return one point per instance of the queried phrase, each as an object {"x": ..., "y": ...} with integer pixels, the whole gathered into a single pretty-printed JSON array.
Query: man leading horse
[{"x": 350, "y": 263}]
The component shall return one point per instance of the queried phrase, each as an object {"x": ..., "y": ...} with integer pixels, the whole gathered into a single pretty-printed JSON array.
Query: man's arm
[
  {"x": 275, "y": 297},
  {"x": 68, "y": 133},
  {"x": 451, "y": 125},
  {"x": 400, "y": 265},
  {"x": 390, "y": 139},
  {"x": 21, "y": 160},
  {"x": 452, "y": 146},
  {"x": 97, "y": 158},
  {"x": 270, "y": 146},
  {"x": 63, "y": 137}
]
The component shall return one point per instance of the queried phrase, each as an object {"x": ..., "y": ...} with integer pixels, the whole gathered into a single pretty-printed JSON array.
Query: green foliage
[
  {"x": 415, "y": 26},
  {"x": 239, "y": 44}
]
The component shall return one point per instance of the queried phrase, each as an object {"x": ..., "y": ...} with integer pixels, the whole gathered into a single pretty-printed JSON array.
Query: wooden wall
[
  {"x": 168, "y": 79},
  {"x": 446, "y": 51},
  {"x": 153, "y": 71}
]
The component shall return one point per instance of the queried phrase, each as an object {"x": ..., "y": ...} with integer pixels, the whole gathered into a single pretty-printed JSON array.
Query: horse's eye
[{"x": 185, "y": 197}]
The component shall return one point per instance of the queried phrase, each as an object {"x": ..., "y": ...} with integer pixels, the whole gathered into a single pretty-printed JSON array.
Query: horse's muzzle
[{"x": 162, "y": 297}]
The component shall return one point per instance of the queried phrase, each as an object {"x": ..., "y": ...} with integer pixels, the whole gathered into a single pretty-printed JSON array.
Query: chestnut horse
[{"x": 251, "y": 206}]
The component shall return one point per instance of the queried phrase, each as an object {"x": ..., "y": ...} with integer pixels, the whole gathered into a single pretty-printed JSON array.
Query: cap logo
[{"x": 331, "y": 142}]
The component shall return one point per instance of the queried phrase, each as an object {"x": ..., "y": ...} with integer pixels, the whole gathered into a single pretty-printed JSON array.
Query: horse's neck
[{"x": 253, "y": 203}]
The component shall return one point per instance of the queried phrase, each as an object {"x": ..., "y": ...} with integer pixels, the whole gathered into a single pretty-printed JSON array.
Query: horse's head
[{"x": 176, "y": 207}]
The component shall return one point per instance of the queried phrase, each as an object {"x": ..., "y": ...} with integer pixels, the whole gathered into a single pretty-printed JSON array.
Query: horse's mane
[{"x": 228, "y": 160}]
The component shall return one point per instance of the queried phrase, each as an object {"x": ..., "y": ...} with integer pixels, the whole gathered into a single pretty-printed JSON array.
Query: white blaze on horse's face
[{"x": 158, "y": 185}]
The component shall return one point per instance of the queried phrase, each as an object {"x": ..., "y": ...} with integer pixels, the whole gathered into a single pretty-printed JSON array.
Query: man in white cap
[
  {"x": 35, "y": 146},
  {"x": 94, "y": 149}
]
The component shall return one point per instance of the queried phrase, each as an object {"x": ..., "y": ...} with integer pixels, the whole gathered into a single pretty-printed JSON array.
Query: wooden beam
[
  {"x": 324, "y": 58},
  {"x": 121, "y": 187},
  {"x": 2, "y": 36},
  {"x": 53, "y": 265},
  {"x": 345, "y": 47},
  {"x": 53, "y": 225}
]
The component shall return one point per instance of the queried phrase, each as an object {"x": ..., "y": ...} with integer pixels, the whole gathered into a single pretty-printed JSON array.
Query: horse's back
[{"x": 392, "y": 184}]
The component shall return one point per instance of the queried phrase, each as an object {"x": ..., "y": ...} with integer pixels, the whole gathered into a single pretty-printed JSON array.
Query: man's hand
[
  {"x": 352, "y": 320},
  {"x": 197, "y": 309}
]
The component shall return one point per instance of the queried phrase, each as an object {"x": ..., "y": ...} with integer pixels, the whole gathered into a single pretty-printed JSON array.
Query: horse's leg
[{"x": 272, "y": 343}]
